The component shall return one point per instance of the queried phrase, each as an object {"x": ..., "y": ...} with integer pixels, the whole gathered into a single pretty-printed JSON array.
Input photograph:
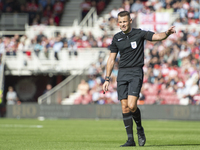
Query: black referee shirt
[{"x": 131, "y": 47}]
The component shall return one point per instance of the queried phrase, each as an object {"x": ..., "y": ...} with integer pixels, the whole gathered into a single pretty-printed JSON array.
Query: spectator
[
  {"x": 100, "y": 6},
  {"x": 57, "y": 47},
  {"x": 72, "y": 47},
  {"x": 96, "y": 96},
  {"x": 46, "y": 46},
  {"x": 114, "y": 96},
  {"x": 85, "y": 8},
  {"x": 99, "y": 97},
  {"x": 11, "y": 96},
  {"x": 48, "y": 12},
  {"x": 103, "y": 25},
  {"x": 196, "y": 13},
  {"x": 58, "y": 8},
  {"x": 48, "y": 88},
  {"x": 126, "y": 5},
  {"x": 184, "y": 52},
  {"x": 193, "y": 91},
  {"x": 64, "y": 38},
  {"x": 137, "y": 6},
  {"x": 114, "y": 12},
  {"x": 32, "y": 9},
  {"x": 181, "y": 11},
  {"x": 11, "y": 46},
  {"x": 83, "y": 90},
  {"x": 40, "y": 36},
  {"x": 50, "y": 3},
  {"x": 43, "y": 3},
  {"x": 23, "y": 8},
  {"x": 38, "y": 48},
  {"x": 178, "y": 22},
  {"x": 92, "y": 70}
]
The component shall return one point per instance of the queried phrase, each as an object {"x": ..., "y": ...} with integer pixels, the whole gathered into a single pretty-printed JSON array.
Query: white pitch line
[{"x": 20, "y": 126}]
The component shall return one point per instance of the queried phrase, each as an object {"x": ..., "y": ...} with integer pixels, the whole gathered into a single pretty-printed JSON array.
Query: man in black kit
[{"x": 130, "y": 43}]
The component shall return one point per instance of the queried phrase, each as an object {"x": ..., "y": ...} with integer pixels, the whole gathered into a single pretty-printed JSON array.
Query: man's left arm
[{"x": 163, "y": 35}]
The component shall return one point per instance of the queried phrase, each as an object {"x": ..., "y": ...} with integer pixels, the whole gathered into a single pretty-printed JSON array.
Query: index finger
[{"x": 104, "y": 88}]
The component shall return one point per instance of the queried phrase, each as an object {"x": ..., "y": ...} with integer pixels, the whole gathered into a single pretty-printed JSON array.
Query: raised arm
[
  {"x": 109, "y": 67},
  {"x": 163, "y": 35}
]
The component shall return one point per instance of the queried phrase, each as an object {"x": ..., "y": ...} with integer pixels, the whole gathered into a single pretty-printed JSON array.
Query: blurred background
[{"x": 54, "y": 53}]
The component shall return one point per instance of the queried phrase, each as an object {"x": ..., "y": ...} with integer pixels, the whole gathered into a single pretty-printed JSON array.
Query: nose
[{"x": 122, "y": 24}]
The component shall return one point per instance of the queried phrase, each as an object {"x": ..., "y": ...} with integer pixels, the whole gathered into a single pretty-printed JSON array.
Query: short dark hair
[{"x": 124, "y": 13}]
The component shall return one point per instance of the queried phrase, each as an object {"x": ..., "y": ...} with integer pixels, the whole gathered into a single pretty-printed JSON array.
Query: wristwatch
[
  {"x": 166, "y": 33},
  {"x": 107, "y": 78}
]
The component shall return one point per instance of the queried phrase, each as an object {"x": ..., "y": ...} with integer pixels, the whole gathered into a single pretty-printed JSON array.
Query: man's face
[{"x": 125, "y": 23}]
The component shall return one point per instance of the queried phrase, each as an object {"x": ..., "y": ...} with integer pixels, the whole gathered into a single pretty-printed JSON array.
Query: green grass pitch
[{"x": 84, "y": 134}]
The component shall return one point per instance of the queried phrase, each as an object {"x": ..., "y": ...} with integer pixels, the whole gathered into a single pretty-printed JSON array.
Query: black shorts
[{"x": 129, "y": 82}]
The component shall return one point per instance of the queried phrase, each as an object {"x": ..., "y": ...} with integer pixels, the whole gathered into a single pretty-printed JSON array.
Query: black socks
[
  {"x": 137, "y": 117},
  {"x": 128, "y": 123}
]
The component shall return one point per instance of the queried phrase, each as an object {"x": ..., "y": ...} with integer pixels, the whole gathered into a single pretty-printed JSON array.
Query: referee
[{"x": 130, "y": 43}]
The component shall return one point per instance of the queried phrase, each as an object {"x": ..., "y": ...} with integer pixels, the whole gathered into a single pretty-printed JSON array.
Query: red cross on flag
[{"x": 157, "y": 22}]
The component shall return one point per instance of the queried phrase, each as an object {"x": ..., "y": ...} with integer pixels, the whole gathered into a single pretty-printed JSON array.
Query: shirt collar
[{"x": 128, "y": 32}]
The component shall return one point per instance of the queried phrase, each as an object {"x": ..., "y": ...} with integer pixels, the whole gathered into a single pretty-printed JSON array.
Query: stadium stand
[
  {"x": 171, "y": 71},
  {"x": 39, "y": 11},
  {"x": 167, "y": 59}
]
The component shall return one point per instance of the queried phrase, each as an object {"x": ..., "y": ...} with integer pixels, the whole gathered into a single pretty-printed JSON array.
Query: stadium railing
[
  {"x": 90, "y": 19},
  {"x": 13, "y": 21},
  {"x": 23, "y": 64},
  {"x": 63, "y": 90},
  {"x": 76, "y": 66},
  {"x": 69, "y": 85},
  {"x": 51, "y": 31}
]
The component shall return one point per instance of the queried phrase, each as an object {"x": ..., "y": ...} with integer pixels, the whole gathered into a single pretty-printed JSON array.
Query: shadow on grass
[{"x": 173, "y": 145}]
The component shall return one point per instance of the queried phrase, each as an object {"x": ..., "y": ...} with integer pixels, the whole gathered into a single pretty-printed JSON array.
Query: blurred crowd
[
  {"x": 86, "y": 5},
  {"x": 171, "y": 70},
  {"x": 41, "y": 43},
  {"x": 10, "y": 46},
  {"x": 47, "y": 12},
  {"x": 171, "y": 73},
  {"x": 188, "y": 11}
]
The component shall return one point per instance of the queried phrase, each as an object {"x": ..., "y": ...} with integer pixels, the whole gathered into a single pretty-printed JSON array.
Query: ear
[{"x": 131, "y": 20}]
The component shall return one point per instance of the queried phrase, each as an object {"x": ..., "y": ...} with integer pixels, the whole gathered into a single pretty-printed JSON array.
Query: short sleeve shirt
[{"x": 131, "y": 47}]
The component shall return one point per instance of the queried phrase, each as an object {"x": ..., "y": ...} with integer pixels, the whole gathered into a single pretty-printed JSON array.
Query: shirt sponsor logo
[{"x": 134, "y": 45}]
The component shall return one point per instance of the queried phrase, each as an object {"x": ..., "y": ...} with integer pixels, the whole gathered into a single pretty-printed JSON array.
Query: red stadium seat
[{"x": 150, "y": 99}]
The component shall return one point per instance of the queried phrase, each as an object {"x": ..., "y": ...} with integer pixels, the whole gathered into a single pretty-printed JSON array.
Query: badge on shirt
[{"x": 133, "y": 44}]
